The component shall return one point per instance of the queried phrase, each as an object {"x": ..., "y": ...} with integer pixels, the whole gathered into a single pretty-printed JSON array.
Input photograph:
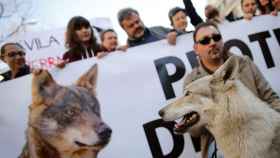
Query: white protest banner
[
  {"x": 45, "y": 49},
  {"x": 134, "y": 85}
]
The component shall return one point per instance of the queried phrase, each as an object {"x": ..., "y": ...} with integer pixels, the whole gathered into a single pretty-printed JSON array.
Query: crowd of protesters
[{"x": 81, "y": 41}]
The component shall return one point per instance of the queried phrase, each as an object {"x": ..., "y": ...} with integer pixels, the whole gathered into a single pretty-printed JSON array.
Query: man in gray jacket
[{"x": 209, "y": 48}]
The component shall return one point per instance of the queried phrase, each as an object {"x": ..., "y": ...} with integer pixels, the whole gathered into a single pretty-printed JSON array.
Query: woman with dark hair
[
  {"x": 79, "y": 40},
  {"x": 265, "y": 6}
]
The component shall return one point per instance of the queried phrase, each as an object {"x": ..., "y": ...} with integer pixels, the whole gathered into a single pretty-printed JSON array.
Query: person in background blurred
[
  {"x": 179, "y": 23},
  {"x": 178, "y": 19},
  {"x": 265, "y": 6},
  {"x": 80, "y": 41},
  {"x": 109, "y": 43},
  {"x": 13, "y": 54},
  {"x": 276, "y": 4},
  {"x": 249, "y": 9},
  {"x": 212, "y": 14},
  {"x": 229, "y": 9}
]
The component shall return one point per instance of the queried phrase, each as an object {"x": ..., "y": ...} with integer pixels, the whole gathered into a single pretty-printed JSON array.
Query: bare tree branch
[
  {"x": 7, "y": 14},
  {"x": 14, "y": 11}
]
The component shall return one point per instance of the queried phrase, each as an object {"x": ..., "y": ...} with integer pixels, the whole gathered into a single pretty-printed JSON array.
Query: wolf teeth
[
  {"x": 193, "y": 116},
  {"x": 186, "y": 121}
]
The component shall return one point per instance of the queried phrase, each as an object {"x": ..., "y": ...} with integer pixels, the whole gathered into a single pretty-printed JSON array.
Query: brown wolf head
[{"x": 65, "y": 121}]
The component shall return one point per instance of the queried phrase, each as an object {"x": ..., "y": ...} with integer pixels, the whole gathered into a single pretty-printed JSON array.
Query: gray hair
[{"x": 125, "y": 13}]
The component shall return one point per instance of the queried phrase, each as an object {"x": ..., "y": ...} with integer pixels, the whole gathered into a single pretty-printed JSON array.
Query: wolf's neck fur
[
  {"x": 37, "y": 147},
  {"x": 236, "y": 127}
]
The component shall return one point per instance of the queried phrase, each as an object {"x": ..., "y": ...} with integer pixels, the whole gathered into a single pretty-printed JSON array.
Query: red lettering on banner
[{"x": 44, "y": 63}]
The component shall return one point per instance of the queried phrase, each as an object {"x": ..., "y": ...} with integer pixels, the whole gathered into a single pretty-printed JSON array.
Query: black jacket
[
  {"x": 25, "y": 70},
  {"x": 191, "y": 12}
]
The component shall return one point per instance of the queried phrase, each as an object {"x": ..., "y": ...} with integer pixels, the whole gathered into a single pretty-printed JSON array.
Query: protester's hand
[
  {"x": 171, "y": 37},
  {"x": 101, "y": 54},
  {"x": 36, "y": 71},
  {"x": 248, "y": 16},
  {"x": 274, "y": 12},
  {"x": 1, "y": 78},
  {"x": 123, "y": 48},
  {"x": 62, "y": 63}
]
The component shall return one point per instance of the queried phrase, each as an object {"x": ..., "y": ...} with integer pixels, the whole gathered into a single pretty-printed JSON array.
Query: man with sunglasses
[
  {"x": 209, "y": 48},
  {"x": 14, "y": 56}
]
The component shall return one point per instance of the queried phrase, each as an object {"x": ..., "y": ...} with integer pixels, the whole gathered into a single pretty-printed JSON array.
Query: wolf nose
[
  {"x": 161, "y": 113},
  {"x": 105, "y": 133}
]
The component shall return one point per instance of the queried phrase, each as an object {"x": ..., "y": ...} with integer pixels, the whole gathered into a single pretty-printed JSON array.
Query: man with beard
[
  {"x": 209, "y": 48},
  {"x": 137, "y": 33},
  {"x": 14, "y": 56}
]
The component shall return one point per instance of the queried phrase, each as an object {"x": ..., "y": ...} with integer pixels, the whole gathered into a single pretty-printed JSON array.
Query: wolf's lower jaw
[
  {"x": 94, "y": 146},
  {"x": 82, "y": 145},
  {"x": 188, "y": 121}
]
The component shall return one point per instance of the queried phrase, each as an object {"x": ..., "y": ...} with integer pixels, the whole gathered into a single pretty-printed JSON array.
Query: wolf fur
[
  {"x": 243, "y": 125},
  {"x": 65, "y": 122}
]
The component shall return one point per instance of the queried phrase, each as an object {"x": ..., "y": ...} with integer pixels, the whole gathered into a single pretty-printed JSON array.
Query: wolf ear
[
  {"x": 43, "y": 87},
  {"x": 228, "y": 71},
  {"x": 89, "y": 79}
]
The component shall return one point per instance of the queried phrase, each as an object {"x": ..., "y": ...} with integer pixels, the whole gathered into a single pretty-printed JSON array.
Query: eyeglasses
[
  {"x": 207, "y": 39},
  {"x": 14, "y": 54}
]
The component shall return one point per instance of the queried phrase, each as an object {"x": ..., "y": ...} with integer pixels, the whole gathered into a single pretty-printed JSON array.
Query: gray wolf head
[
  {"x": 65, "y": 121},
  {"x": 196, "y": 108}
]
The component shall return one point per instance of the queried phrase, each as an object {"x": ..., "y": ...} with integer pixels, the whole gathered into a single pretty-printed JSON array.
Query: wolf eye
[{"x": 72, "y": 111}]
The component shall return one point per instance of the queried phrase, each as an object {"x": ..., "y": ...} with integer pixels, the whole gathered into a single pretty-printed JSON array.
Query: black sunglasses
[
  {"x": 14, "y": 54},
  {"x": 207, "y": 39}
]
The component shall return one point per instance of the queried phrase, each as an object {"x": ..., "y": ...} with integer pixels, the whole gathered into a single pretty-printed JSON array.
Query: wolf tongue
[{"x": 180, "y": 124}]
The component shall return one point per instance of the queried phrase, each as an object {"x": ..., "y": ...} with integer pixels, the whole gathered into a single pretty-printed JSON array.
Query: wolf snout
[{"x": 105, "y": 133}]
